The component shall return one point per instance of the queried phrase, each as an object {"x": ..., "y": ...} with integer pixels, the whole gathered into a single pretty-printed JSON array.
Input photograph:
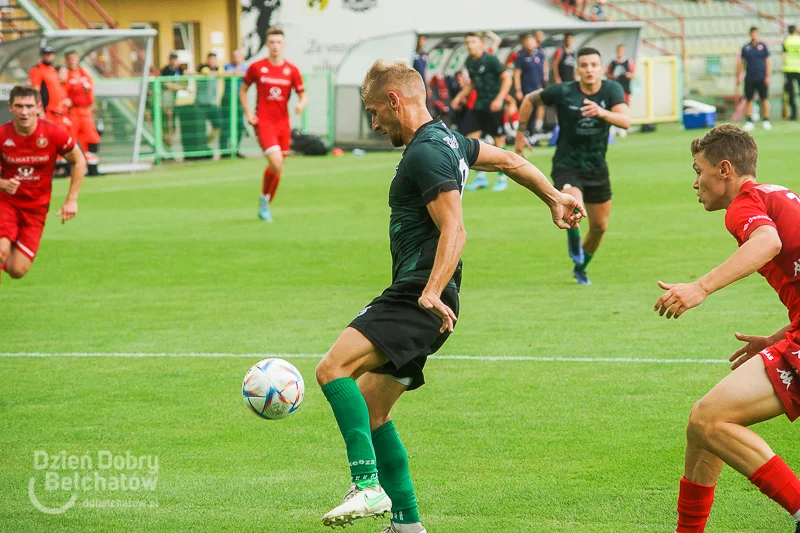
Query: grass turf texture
[{"x": 176, "y": 261}]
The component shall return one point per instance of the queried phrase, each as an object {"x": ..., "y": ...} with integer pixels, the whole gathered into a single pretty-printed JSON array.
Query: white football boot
[
  {"x": 359, "y": 503},
  {"x": 404, "y": 528}
]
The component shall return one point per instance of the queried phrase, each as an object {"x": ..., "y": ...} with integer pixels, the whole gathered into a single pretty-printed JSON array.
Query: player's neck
[
  {"x": 26, "y": 131},
  {"x": 276, "y": 60},
  {"x": 415, "y": 121},
  {"x": 477, "y": 56},
  {"x": 591, "y": 89},
  {"x": 736, "y": 188}
]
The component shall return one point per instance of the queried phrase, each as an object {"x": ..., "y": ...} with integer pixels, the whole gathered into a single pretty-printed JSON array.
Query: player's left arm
[
  {"x": 70, "y": 208},
  {"x": 763, "y": 244},
  {"x": 299, "y": 88},
  {"x": 566, "y": 210},
  {"x": 445, "y": 210},
  {"x": 769, "y": 69}
]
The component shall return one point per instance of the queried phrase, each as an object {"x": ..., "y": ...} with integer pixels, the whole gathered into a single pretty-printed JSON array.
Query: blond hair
[
  {"x": 383, "y": 76},
  {"x": 729, "y": 142}
]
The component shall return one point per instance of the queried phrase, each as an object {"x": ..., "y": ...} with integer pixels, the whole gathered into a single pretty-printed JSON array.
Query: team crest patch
[
  {"x": 451, "y": 142},
  {"x": 286, "y": 71},
  {"x": 264, "y": 69},
  {"x": 42, "y": 142}
]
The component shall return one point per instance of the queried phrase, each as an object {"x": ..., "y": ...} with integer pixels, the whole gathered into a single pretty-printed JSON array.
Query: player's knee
[
  {"x": 598, "y": 226},
  {"x": 17, "y": 271},
  {"x": 705, "y": 424}
]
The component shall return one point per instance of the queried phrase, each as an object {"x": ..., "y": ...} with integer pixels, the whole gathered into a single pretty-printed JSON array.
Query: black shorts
[
  {"x": 595, "y": 186},
  {"x": 487, "y": 122},
  {"x": 404, "y": 332},
  {"x": 753, "y": 87}
]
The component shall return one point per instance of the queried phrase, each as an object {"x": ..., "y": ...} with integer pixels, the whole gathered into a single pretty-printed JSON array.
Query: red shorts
[
  {"x": 23, "y": 227},
  {"x": 274, "y": 136},
  {"x": 83, "y": 126},
  {"x": 782, "y": 361}
]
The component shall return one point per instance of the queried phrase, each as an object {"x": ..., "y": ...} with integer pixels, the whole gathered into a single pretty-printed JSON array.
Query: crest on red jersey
[
  {"x": 286, "y": 71},
  {"x": 42, "y": 142}
]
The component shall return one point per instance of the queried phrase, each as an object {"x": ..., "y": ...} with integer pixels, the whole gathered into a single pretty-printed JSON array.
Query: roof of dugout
[
  {"x": 24, "y": 52},
  {"x": 604, "y": 36}
]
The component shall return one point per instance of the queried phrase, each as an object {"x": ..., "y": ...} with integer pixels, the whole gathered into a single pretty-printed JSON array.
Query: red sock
[
  {"x": 779, "y": 483},
  {"x": 694, "y": 506},
  {"x": 266, "y": 184},
  {"x": 273, "y": 187}
]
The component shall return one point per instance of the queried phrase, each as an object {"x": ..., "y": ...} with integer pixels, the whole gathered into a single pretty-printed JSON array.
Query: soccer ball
[{"x": 273, "y": 389}]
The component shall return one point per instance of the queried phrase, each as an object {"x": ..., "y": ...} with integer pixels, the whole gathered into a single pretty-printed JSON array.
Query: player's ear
[
  {"x": 725, "y": 169},
  {"x": 394, "y": 100}
]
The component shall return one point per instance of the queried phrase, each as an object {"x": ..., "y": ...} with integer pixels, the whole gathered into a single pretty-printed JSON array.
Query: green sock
[
  {"x": 574, "y": 232},
  {"x": 394, "y": 475},
  {"x": 586, "y": 258},
  {"x": 352, "y": 416}
]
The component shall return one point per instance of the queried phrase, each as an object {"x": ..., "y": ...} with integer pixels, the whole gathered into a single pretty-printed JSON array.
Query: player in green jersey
[
  {"x": 491, "y": 81},
  {"x": 386, "y": 346},
  {"x": 586, "y": 110}
]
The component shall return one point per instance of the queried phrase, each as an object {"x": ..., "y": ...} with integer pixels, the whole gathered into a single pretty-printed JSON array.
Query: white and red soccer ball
[{"x": 273, "y": 389}]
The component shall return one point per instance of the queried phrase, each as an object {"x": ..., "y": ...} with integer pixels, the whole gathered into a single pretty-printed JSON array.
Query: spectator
[
  {"x": 540, "y": 38},
  {"x": 420, "y": 62},
  {"x": 45, "y": 77},
  {"x": 530, "y": 70},
  {"x": 621, "y": 69},
  {"x": 229, "y": 97},
  {"x": 564, "y": 61},
  {"x": 79, "y": 86},
  {"x": 173, "y": 69},
  {"x": 756, "y": 64},
  {"x": 599, "y": 11},
  {"x": 791, "y": 67},
  {"x": 205, "y": 102}
]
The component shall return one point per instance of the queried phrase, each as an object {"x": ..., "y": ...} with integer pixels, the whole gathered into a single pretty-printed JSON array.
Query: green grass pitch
[{"x": 175, "y": 261}]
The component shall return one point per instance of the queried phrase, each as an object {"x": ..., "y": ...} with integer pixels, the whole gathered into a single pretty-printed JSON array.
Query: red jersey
[
  {"x": 759, "y": 205},
  {"x": 274, "y": 84},
  {"x": 31, "y": 159},
  {"x": 80, "y": 87},
  {"x": 45, "y": 78}
]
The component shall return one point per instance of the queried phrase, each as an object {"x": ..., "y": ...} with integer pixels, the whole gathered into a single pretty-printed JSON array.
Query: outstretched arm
[
  {"x": 567, "y": 211},
  {"x": 618, "y": 115},
  {"x": 764, "y": 244}
]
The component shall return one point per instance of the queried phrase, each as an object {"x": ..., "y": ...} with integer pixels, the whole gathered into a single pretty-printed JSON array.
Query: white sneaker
[
  {"x": 359, "y": 503},
  {"x": 749, "y": 126},
  {"x": 766, "y": 125},
  {"x": 404, "y": 528}
]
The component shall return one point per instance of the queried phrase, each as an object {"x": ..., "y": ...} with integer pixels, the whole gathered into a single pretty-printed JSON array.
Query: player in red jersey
[
  {"x": 274, "y": 78},
  {"x": 28, "y": 150},
  {"x": 79, "y": 87},
  {"x": 765, "y": 220}
]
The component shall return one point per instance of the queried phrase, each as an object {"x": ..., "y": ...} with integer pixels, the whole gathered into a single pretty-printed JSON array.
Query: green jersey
[
  {"x": 437, "y": 159},
  {"x": 485, "y": 73},
  {"x": 582, "y": 141}
]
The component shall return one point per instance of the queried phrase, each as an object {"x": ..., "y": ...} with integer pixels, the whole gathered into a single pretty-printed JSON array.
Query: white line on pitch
[{"x": 319, "y": 356}]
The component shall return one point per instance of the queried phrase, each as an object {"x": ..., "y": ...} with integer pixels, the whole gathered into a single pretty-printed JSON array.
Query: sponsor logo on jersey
[
  {"x": 9, "y": 143},
  {"x": 26, "y": 174},
  {"x": 42, "y": 142},
  {"x": 753, "y": 219},
  {"x": 451, "y": 142},
  {"x": 26, "y": 159},
  {"x": 786, "y": 377},
  {"x": 275, "y": 93},
  {"x": 274, "y": 81}
]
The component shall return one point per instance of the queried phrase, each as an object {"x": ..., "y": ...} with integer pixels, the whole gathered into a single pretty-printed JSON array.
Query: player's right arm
[
  {"x": 247, "y": 81},
  {"x": 556, "y": 62},
  {"x": 9, "y": 186},
  {"x": 76, "y": 159},
  {"x": 518, "y": 83},
  {"x": 530, "y": 101},
  {"x": 566, "y": 210},
  {"x": 763, "y": 244},
  {"x": 739, "y": 69}
]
